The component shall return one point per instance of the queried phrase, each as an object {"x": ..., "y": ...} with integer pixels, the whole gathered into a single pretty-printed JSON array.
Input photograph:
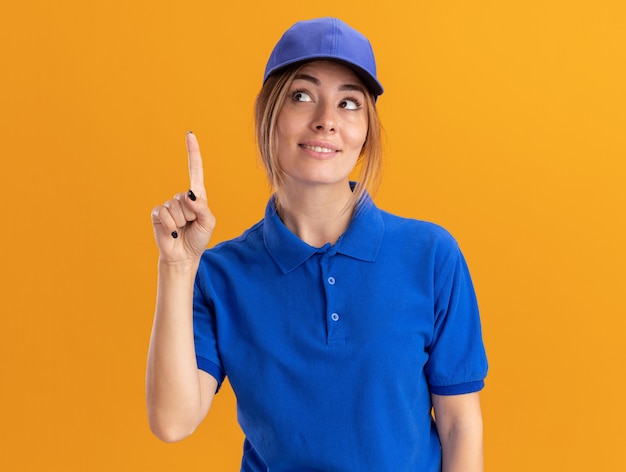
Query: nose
[{"x": 325, "y": 118}]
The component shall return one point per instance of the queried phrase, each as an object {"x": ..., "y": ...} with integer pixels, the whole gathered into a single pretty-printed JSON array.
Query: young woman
[{"x": 340, "y": 326}]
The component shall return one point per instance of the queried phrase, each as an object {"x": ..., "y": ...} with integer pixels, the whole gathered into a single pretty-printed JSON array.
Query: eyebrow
[{"x": 342, "y": 88}]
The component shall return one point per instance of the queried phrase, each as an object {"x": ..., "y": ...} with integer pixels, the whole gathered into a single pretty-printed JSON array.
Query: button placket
[{"x": 333, "y": 315}]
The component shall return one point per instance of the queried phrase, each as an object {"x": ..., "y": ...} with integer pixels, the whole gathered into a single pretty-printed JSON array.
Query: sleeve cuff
[
  {"x": 212, "y": 369},
  {"x": 459, "y": 389}
]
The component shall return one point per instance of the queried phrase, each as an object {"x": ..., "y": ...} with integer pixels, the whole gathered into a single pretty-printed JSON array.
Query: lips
[
  {"x": 317, "y": 148},
  {"x": 325, "y": 148}
]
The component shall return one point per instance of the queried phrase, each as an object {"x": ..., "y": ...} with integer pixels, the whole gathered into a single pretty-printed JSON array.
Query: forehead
[{"x": 331, "y": 70}]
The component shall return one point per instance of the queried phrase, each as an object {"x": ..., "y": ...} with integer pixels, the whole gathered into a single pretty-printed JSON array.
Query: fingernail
[
  {"x": 192, "y": 196},
  {"x": 174, "y": 234},
  {"x": 189, "y": 131}
]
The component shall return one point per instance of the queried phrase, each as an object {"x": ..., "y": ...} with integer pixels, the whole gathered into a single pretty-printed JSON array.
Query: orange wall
[{"x": 505, "y": 123}]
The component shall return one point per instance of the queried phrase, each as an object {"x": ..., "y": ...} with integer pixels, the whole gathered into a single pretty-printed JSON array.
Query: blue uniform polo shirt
[{"x": 333, "y": 352}]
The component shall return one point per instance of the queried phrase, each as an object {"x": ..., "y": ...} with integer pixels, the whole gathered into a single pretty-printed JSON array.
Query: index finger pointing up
[{"x": 196, "y": 172}]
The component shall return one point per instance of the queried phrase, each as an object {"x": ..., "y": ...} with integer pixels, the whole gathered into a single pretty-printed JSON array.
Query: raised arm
[
  {"x": 178, "y": 394},
  {"x": 460, "y": 427}
]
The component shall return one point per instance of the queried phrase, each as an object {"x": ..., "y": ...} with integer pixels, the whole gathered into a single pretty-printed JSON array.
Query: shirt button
[
  {"x": 331, "y": 280},
  {"x": 334, "y": 317}
]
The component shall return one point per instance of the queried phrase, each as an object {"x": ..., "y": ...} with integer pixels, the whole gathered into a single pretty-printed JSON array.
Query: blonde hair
[{"x": 268, "y": 105}]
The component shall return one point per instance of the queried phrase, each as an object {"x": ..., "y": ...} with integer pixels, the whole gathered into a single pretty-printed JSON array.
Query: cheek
[
  {"x": 283, "y": 141},
  {"x": 358, "y": 135},
  {"x": 284, "y": 130},
  {"x": 279, "y": 136}
]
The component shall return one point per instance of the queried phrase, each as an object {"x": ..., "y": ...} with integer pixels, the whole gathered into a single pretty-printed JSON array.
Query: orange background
[{"x": 505, "y": 122}]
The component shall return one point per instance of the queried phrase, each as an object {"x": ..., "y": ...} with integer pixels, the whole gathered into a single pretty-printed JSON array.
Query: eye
[
  {"x": 350, "y": 104},
  {"x": 301, "y": 96}
]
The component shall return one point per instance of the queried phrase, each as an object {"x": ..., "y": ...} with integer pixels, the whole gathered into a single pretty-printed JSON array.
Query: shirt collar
[{"x": 361, "y": 240}]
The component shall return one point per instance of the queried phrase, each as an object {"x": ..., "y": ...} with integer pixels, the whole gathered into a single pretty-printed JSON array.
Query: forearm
[
  {"x": 462, "y": 449},
  {"x": 173, "y": 389},
  {"x": 460, "y": 427}
]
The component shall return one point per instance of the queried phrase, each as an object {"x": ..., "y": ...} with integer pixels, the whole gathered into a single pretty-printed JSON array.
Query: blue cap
[{"x": 326, "y": 38}]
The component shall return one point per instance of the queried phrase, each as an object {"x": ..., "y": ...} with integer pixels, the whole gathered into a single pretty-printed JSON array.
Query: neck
[{"x": 316, "y": 215}]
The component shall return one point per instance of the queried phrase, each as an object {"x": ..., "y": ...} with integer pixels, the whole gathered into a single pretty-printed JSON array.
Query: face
[{"x": 322, "y": 125}]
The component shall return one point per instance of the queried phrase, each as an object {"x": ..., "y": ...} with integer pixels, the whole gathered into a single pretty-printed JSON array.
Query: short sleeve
[
  {"x": 204, "y": 328},
  {"x": 457, "y": 361}
]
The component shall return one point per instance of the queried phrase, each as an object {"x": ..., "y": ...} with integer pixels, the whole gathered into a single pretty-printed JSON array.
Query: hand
[{"x": 184, "y": 224}]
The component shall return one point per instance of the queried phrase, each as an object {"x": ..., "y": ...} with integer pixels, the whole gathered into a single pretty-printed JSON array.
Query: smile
[{"x": 317, "y": 148}]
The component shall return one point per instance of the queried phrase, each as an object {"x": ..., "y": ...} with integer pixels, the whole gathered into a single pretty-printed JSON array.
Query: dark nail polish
[
  {"x": 192, "y": 196},
  {"x": 174, "y": 234}
]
